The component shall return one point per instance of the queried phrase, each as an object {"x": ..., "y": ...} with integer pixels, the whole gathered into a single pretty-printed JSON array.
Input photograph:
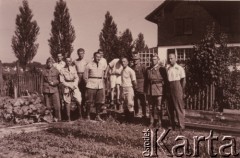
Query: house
[{"x": 183, "y": 23}]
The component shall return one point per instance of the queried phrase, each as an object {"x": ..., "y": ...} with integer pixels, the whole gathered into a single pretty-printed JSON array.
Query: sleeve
[
  {"x": 75, "y": 76},
  {"x": 181, "y": 72},
  {"x": 62, "y": 79},
  {"x": 56, "y": 80},
  {"x": 133, "y": 75},
  {"x": 112, "y": 63},
  {"x": 85, "y": 74},
  {"x": 105, "y": 64},
  {"x": 145, "y": 80}
]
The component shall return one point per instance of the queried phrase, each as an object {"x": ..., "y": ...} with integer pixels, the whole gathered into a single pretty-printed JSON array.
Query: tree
[
  {"x": 23, "y": 42},
  {"x": 209, "y": 65},
  {"x": 108, "y": 38},
  {"x": 140, "y": 45},
  {"x": 126, "y": 44},
  {"x": 62, "y": 32},
  {"x": 209, "y": 61}
]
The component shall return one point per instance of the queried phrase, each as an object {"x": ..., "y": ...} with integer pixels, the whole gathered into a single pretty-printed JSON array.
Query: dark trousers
[
  {"x": 155, "y": 108},
  {"x": 176, "y": 104},
  {"x": 52, "y": 102},
  {"x": 140, "y": 103},
  {"x": 82, "y": 87}
]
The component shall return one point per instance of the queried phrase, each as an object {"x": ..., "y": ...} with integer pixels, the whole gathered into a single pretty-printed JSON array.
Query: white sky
[{"x": 87, "y": 18}]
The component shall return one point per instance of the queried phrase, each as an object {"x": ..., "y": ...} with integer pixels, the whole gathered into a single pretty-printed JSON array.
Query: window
[
  {"x": 182, "y": 54},
  {"x": 183, "y": 26}
]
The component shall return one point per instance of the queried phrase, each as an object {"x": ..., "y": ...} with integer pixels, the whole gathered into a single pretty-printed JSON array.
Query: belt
[
  {"x": 69, "y": 80},
  {"x": 156, "y": 82},
  {"x": 96, "y": 77}
]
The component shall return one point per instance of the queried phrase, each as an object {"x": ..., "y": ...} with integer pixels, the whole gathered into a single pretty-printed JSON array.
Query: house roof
[
  {"x": 152, "y": 16},
  {"x": 215, "y": 8}
]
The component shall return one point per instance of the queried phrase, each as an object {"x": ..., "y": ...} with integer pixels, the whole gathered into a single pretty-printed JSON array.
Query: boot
[
  {"x": 80, "y": 111},
  {"x": 88, "y": 111},
  {"x": 118, "y": 102},
  {"x": 68, "y": 108},
  {"x": 98, "y": 118},
  {"x": 151, "y": 124}
]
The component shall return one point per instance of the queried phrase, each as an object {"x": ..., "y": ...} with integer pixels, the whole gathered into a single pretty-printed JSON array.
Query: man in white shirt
[
  {"x": 128, "y": 83},
  {"x": 103, "y": 63},
  {"x": 93, "y": 76},
  {"x": 176, "y": 77},
  {"x": 60, "y": 63},
  {"x": 115, "y": 69},
  {"x": 80, "y": 65},
  {"x": 69, "y": 79}
]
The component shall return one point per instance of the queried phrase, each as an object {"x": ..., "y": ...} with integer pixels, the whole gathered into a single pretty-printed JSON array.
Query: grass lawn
[{"x": 90, "y": 139}]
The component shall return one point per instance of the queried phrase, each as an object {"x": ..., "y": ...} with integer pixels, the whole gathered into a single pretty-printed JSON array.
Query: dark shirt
[
  {"x": 154, "y": 80},
  {"x": 140, "y": 70},
  {"x": 50, "y": 75}
]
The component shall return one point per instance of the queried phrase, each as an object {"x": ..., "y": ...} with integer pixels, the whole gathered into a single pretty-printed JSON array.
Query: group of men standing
[{"x": 136, "y": 87}]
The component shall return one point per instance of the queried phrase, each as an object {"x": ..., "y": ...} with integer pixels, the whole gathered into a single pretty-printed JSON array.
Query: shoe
[
  {"x": 139, "y": 115},
  {"x": 88, "y": 117},
  {"x": 55, "y": 120},
  {"x": 112, "y": 103},
  {"x": 98, "y": 118},
  {"x": 118, "y": 102},
  {"x": 151, "y": 125}
]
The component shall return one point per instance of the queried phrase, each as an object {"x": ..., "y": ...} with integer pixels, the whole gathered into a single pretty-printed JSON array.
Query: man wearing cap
[
  {"x": 154, "y": 89},
  {"x": 115, "y": 69},
  {"x": 140, "y": 97},
  {"x": 80, "y": 65},
  {"x": 176, "y": 78},
  {"x": 128, "y": 83},
  {"x": 93, "y": 76},
  {"x": 60, "y": 63},
  {"x": 69, "y": 79},
  {"x": 50, "y": 89}
]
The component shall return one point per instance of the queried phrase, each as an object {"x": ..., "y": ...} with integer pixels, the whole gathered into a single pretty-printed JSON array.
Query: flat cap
[{"x": 50, "y": 59}]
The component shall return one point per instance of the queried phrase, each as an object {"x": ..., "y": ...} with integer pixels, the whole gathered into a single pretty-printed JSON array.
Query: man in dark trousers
[
  {"x": 93, "y": 76},
  {"x": 154, "y": 89},
  {"x": 50, "y": 89},
  {"x": 176, "y": 78},
  {"x": 140, "y": 97}
]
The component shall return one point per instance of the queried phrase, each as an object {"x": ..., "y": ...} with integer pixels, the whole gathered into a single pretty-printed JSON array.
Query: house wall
[{"x": 200, "y": 19}]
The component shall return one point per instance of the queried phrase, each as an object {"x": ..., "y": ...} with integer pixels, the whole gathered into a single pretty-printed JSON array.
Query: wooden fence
[
  {"x": 202, "y": 99},
  {"x": 29, "y": 83}
]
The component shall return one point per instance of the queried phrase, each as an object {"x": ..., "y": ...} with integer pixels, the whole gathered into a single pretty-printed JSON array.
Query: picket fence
[{"x": 32, "y": 83}]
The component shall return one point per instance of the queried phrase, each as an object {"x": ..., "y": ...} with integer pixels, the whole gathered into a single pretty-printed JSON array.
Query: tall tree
[
  {"x": 140, "y": 45},
  {"x": 108, "y": 38},
  {"x": 126, "y": 44},
  {"x": 23, "y": 42},
  {"x": 62, "y": 32}
]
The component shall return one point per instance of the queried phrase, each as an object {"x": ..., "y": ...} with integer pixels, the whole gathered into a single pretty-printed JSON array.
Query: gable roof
[{"x": 215, "y": 8}]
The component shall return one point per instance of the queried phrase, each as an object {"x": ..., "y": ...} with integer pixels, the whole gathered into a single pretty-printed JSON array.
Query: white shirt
[
  {"x": 116, "y": 67},
  {"x": 103, "y": 63},
  {"x": 175, "y": 72},
  {"x": 93, "y": 75},
  {"x": 80, "y": 65},
  {"x": 59, "y": 65},
  {"x": 128, "y": 75}
]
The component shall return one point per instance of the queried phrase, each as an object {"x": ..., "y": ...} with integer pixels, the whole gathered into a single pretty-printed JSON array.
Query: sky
[{"x": 87, "y": 18}]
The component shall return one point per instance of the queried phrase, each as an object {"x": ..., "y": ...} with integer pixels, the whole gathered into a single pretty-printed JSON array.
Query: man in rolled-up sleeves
[
  {"x": 69, "y": 79},
  {"x": 93, "y": 76},
  {"x": 50, "y": 89}
]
